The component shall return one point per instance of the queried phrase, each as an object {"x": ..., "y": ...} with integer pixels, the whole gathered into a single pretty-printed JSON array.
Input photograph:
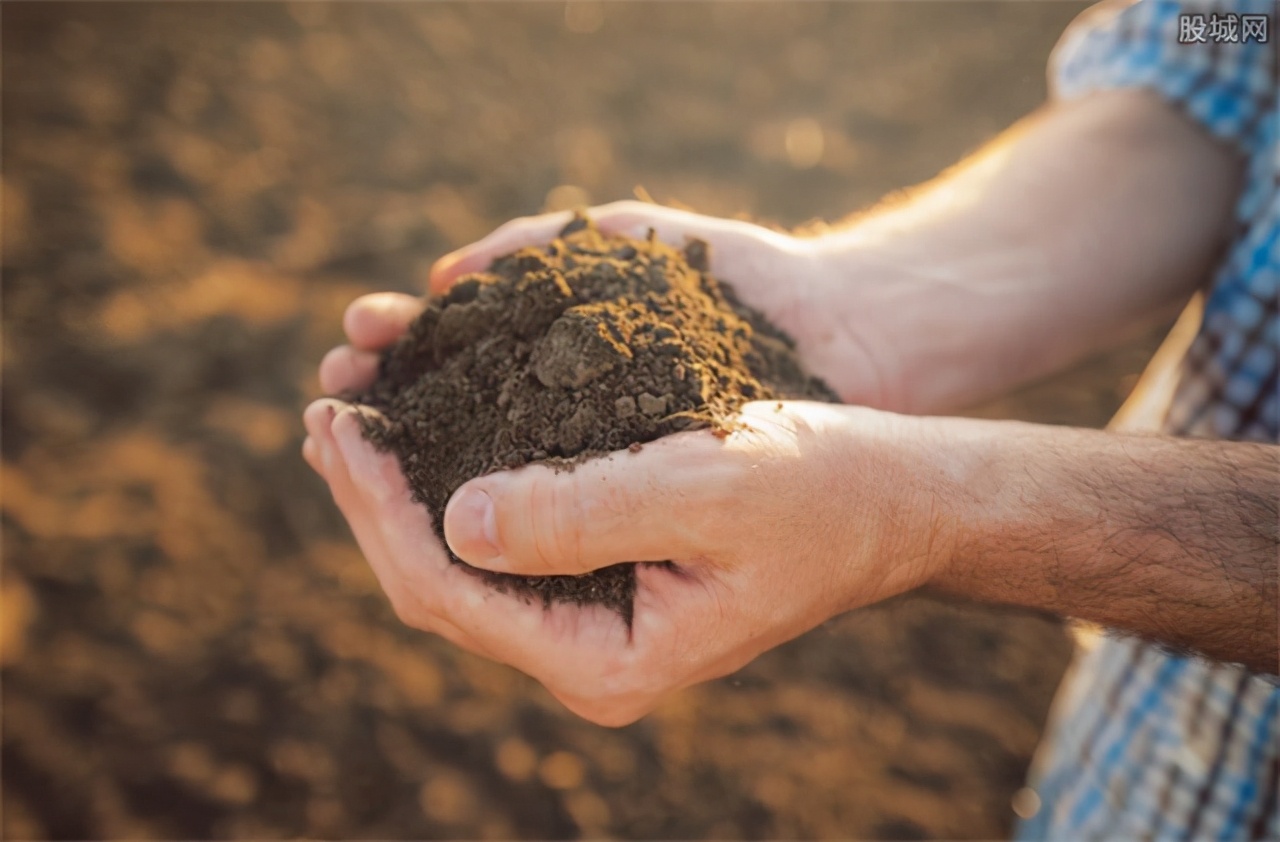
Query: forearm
[
  {"x": 1173, "y": 540},
  {"x": 1078, "y": 225}
]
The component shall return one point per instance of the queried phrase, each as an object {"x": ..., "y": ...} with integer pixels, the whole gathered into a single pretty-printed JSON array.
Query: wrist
[
  {"x": 1003, "y": 510},
  {"x": 948, "y": 308},
  {"x": 851, "y": 339},
  {"x": 908, "y": 501},
  {"x": 917, "y": 307}
]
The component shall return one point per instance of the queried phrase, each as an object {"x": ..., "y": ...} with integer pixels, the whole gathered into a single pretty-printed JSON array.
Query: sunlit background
[{"x": 192, "y": 644}]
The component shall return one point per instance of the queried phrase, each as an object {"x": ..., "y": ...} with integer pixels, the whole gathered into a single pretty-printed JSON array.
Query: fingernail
[{"x": 472, "y": 526}]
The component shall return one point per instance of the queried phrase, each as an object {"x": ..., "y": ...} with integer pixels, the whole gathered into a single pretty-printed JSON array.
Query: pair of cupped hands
[{"x": 806, "y": 511}]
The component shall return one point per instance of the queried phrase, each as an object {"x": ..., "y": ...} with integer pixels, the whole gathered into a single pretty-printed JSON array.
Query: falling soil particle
[{"x": 591, "y": 344}]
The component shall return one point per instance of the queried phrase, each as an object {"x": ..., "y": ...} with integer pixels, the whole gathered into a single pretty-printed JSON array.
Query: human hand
[
  {"x": 745, "y": 599},
  {"x": 792, "y": 280},
  {"x": 808, "y": 510}
]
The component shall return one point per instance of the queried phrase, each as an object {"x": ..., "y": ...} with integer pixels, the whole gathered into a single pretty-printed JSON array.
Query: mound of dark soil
[{"x": 589, "y": 345}]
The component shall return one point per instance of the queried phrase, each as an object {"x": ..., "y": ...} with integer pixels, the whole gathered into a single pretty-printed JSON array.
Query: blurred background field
[{"x": 193, "y": 646}]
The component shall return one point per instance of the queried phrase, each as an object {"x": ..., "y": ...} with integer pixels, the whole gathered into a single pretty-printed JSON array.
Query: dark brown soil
[{"x": 589, "y": 345}]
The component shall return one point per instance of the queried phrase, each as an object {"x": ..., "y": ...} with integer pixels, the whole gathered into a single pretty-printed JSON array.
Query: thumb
[{"x": 535, "y": 521}]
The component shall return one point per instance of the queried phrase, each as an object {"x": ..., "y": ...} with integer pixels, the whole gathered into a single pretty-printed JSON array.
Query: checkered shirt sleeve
[
  {"x": 1227, "y": 87},
  {"x": 1144, "y": 744}
]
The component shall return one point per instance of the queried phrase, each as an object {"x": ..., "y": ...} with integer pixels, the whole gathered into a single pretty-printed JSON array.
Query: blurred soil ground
[{"x": 192, "y": 193}]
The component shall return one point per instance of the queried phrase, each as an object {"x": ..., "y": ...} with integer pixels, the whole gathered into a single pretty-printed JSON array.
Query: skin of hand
[
  {"x": 760, "y": 526},
  {"x": 781, "y": 275},
  {"x": 697, "y": 496}
]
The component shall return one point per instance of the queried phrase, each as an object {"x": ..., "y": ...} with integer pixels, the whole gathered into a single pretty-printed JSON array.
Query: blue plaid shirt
[{"x": 1144, "y": 744}]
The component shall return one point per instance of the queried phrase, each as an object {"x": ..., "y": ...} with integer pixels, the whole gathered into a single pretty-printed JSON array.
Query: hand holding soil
[
  {"x": 773, "y": 525},
  {"x": 790, "y": 280},
  {"x": 774, "y": 529}
]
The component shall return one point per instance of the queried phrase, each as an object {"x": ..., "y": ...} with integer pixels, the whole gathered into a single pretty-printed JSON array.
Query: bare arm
[
  {"x": 1081, "y": 223},
  {"x": 1174, "y": 540}
]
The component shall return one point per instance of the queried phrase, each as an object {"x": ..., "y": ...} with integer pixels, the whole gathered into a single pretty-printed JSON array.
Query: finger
[
  {"x": 683, "y": 611},
  {"x": 514, "y": 235},
  {"x": 311, "y": 454},
  {"x": 584, "y": 654},
  {"x": 317, "y": 418},
  {"x": 347, "y": 369},
  {"x": 369, "y": 526},
  {"x": 375, "y": 476},
  {"x": 592, "y": 661},
  {"x": 374, "y": 321},
  {"x": 646, "y": 506},
  {"x": 565, "y": 647},
  {"x": 395, "y": 533}
]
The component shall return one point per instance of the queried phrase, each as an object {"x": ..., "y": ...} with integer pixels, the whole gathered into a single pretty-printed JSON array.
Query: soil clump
[{"x": 591, "y": 344}]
